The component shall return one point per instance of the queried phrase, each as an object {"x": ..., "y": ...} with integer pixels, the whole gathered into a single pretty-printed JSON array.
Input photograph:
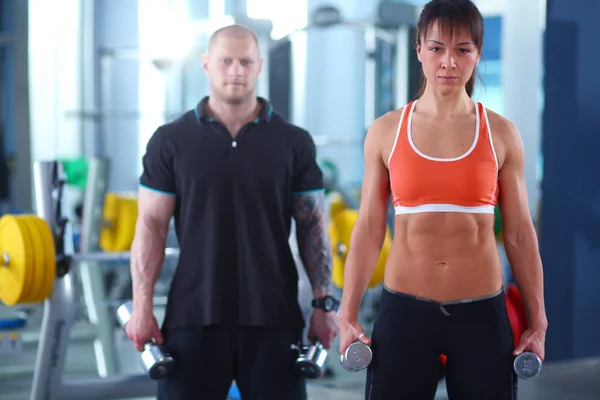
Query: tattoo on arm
[{"x": 313, "y": 240}]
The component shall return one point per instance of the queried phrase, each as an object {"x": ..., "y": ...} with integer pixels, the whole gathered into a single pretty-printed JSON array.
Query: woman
[{"x": 445, "y": 161}]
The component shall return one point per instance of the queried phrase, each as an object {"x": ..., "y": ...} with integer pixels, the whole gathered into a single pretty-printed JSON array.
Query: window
[{"x": 285, "y": 16}]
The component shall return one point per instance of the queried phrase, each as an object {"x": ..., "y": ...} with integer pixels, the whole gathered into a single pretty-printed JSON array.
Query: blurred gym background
[{"x": 85, "y": 83}]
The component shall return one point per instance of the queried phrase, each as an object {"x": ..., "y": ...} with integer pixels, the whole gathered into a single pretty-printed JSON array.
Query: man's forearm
[
  {"x": 147, "y": 258},
  {"x": 313, "y": 240},
  {"x": 526, "y": 266}
]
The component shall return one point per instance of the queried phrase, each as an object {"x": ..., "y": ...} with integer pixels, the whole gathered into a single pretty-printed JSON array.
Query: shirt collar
[{"x": 264, "y": 115}]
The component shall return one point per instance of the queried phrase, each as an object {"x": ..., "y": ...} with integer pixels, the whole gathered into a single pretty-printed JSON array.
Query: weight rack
[{"x": 60, "y": 310}]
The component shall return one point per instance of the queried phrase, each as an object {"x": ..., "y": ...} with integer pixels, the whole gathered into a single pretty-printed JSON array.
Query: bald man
[{"x": 233, "y": 173}]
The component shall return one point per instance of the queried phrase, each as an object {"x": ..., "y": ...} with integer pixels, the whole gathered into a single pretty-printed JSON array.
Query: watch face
[{"x": 329, "y": 304}]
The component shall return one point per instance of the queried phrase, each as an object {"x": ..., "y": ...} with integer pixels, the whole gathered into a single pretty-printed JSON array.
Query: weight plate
[
  {"x": 38, "y": 271},
  {"x": 340, "y": 232},
  {"x": 527, "y": 365},
  {"x": 15, "y": 245},
  {"x": 358, "y": 356},
  {"x": 49, "y": 259},
  {"x": 127, "y": 222},
  {"x": 34, "y": 257},
  {"x": 345, "y": 365},
  {"x": 109, "y": 220},
  {"x": 30, "y": 272},
  {"x": 119, "y": 217}
]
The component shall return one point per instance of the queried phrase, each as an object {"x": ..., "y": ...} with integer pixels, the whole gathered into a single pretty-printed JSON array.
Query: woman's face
[{"x": 448, "y": 61}]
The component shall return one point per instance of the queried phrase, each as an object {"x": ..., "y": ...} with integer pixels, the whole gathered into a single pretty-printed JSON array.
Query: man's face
[{"x": 233, "y": 65}]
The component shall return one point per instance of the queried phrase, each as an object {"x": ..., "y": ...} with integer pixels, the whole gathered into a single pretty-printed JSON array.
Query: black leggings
[{"x": 410, "y": 334}]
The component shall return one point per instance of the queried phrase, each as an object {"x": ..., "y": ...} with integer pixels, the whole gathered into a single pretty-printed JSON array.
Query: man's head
[{"x": 233, "y": 64}]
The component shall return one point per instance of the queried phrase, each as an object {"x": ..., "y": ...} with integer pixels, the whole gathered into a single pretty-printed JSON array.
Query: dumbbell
[
  {"x": 527, "y": 365},
  {"x": 311, "y": 360},
  {"x": 156, "y": 363},
  {"x": 356, "y": 357}
]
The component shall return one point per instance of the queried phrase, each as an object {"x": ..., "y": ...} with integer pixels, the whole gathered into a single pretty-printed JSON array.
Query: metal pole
[
  {"x": 5, "y": 39},
  {"x": 118, "y": 387},
  {"x": 87, "y": 91},
  {"x": 59, "y": 309},
  {"x": 262, "y": 87},
  {"x": 19, "y": 111},
  {"x": 104, "y": 84},
  {"x": 401, "y": 69},
  {"x": 92, "y": 277},
  {"x": 170, "y": 252},
  {"x": 370, "y": 75}
]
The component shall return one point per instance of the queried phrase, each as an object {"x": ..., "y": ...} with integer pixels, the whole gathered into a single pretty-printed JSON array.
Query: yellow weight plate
[
  {"x": 38, "y": 271},
  {"x": 340, "y": 231},
  {"x": 32, "y": 258},
  {"x": 14, "y": 247},
  {"x": 110, "y": 215},
  {"x": 118, "y": 222},
  {"x": 338, "y": 259},
  {"x": 340, "y": 235},
  {"x": 336, "y": 204},
  {"x": 48, "y": 252},
  {"x": 128, "y": 222}
]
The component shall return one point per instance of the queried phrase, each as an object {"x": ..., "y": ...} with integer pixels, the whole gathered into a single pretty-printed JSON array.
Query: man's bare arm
[
  {"x": 148, "y": 249},
  {"x": 313, "y": 240}
]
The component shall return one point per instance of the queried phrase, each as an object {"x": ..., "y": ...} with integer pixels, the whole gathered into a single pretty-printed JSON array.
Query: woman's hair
[{"x": 452, "y": 17}]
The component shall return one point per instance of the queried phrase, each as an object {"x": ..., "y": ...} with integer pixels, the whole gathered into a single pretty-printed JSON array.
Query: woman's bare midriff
[{"x": 444, "y": 256}]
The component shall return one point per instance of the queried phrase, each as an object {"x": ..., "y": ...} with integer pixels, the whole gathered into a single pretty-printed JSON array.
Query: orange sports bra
[{"x": 420, "y": 183}]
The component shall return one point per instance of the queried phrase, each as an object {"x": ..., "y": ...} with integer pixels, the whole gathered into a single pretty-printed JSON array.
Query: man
[{"x": 233, "y": 173}]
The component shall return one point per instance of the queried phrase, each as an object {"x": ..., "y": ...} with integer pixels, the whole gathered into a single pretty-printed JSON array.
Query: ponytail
[{"x": 470, "y": 85}]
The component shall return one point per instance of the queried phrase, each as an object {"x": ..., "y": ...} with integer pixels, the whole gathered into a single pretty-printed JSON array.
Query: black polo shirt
[{"x": 233, "y": 215}]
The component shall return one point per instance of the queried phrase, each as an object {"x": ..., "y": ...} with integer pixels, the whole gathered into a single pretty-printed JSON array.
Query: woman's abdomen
[{"x": 444, "y": 256}]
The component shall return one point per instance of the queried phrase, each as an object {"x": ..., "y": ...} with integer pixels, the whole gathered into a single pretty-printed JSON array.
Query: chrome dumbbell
[
  {"x": 356, "y": 357},
  {"x": 527, "y": 365},
  {"x": 311, "y": 360},
  {"x": 157, "y": 363}
]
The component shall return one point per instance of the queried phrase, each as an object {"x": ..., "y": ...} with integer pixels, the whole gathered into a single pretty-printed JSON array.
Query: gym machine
[
  {"x": 391, "y": 68},
  {"x": 392, "y": 71},
  {"x": 41, "y": 265},
  {"x": 60, "y": 304}
]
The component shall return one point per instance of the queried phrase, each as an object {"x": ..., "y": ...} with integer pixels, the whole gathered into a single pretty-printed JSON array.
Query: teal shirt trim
[{"x": 156, "y": 190}]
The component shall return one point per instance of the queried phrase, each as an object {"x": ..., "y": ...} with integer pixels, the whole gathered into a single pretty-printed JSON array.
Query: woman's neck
[{"x": 445, "y": 105}]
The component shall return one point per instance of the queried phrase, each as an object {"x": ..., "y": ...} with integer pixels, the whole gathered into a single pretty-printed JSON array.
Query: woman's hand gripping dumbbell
[
  {"x": 529, "y": 353},
  {"x": 355, "y": 347},
  {"x": 527, "y": 365},
  {"x": 143, "y": 331}
]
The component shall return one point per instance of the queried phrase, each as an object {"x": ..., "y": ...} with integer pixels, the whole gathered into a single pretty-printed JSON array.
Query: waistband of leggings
[{"x": 444, "y": 303}]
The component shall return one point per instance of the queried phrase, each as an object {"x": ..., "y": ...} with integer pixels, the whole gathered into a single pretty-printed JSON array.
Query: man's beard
[{"x": 236, "y": 99}]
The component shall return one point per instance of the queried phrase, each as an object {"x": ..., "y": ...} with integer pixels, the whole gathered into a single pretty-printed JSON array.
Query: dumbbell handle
[
  {"x": 124, "y": 313},
  {"x": 300, "y": 347}
]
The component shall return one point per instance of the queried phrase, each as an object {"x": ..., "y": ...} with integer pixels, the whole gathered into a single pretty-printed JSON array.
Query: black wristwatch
[{"x": 327, "y": 303}]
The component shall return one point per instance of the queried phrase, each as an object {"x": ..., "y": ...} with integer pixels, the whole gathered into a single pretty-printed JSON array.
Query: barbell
[{"x": 28, "y": 259}]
